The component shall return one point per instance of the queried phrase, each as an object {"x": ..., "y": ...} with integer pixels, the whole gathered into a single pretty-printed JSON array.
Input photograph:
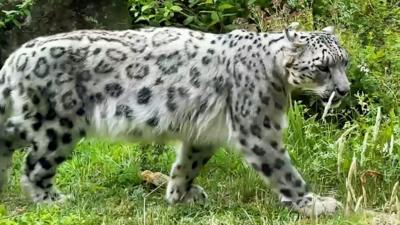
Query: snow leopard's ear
[
  {"x": 329, "y": 30},
  {"x": 292, "y": 35},
  {"x": 290, "y": 31},
  {"x": 297, "y": 46}
]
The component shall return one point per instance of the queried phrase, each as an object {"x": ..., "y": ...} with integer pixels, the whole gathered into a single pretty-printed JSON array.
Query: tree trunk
[{"x": 55, "y": 16}]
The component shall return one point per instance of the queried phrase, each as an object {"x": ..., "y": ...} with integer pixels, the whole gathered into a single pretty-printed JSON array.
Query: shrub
[{"x": 13, "y": 17}]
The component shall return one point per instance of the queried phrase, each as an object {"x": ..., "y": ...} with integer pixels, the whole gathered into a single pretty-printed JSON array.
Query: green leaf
[
  {"x": 176, "y": 8},
  {"x": 215, "y": 17},
  {"x": 188, "y": 20},
  {"x": 224, "y": 6},
  {"x": 166, "y": 13},
  {"x": 10, "y": 12},
  {"x": 146, "y": 7},
  {"x": 27, "y": 12},
  {"x": 228, "y": 14},
  {"x": 16, "y": 22}
]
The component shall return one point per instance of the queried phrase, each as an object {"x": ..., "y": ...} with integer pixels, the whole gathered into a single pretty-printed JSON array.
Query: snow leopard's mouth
[{"x": 334, "y": 103}]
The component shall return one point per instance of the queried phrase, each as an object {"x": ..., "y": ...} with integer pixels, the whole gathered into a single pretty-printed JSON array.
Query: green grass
[{"x": 103, "y": 179}]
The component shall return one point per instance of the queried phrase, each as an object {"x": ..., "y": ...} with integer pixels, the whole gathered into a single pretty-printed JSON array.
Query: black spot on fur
[
  {"x": 96, "y": 51},
  {"x": 277, "y": 126},
  {"x": 116, "y": 55},
  {"x": 44, "y": 163},
  {"x": 103, "y": 67},
  {"x": 53, "y": 145},
  {"x": 274, "y": 144},
  {"x": 8, "y": 144},
  {"x": 2, "y": 109},
  {"x": 30, "y": 164},
  {"x": 68, "y": 100},
  {"x": 169, "y": 64},
  {"x": 51, "y": 114},
  {"x": 298, "y": 183},
  {"x": 144, "y": 95},
  {"x": 255, "y": 130},
  {"x": 288, "y": 177},
  {"x": 206, "y": 60},
  {"x": 137, "y": 71},
  {"x": 22, "y": 135},
  {"x": 275, "y": 40},
  {"x": 258, "y": 150},
  {"x": 114, "y": 89},
  {"x": 194, "y": 77},
  {"x": 286, "y": 193},
  {"x": 51, "y": 134},
  {"x": 153, "y": 121},
  {"x": 124, "y": 110},
  {"x": 266, "y": 169},
  {"x": 158, "y": 81},
  {"x": 243, "y": 142},
  {"x": 243, "y": 130},
  {"x": 57, "y": 52},
  {"x": 35, "y": 146},
  {"x": 82, "y": 133},
  {"x": 220, "y": 84},
  {"x": 264, "y": 99},
  {"x": 83, "y": 76},
  {"x": 279, "y": 163},
  {"x": 35, "y": 99},
  {"x": 66, "y": 138},
  {"x": 267, "y": 122},
  {"x": 278, "y": 106},
  {"x": 22, "y": 61},
  {"x": 96, "y": 98},
  {"x": 194, "y": 165},
  {"x": 80, "y": 112},
  {"x": 276, "y": 87},
  {"x": 6, "y": 92},
  {"x": 205, "y": 160},
  {"x": 171, "y": 105},
  {"x": 183, "y": 92},
  {"x": 41, "y": 69},
  {"x": 79, "y": 54},
  {"x": 25, "y": 108},
  {"x": 65, "y": 122},
  {"x": 37, "y": 125},
  {"x": 59, "y": 159}
]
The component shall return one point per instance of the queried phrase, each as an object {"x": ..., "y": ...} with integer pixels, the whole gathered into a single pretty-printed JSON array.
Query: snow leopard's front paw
[
  {"x": 179, "y": 194},
  {"x": 42, "y": 195},
  {"x": 314, "y": 205}
]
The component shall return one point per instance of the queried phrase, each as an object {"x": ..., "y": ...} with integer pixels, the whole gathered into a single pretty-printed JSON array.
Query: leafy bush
[
  {"x": 13, "y": 17},
  {"x": 209, "y": 15}
]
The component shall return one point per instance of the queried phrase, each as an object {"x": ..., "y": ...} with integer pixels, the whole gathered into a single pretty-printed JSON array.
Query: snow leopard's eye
[{"x": 324, "y": 69}]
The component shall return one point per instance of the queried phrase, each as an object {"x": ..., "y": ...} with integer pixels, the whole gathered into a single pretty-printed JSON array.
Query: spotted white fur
[{"x": 205, "y": 90}]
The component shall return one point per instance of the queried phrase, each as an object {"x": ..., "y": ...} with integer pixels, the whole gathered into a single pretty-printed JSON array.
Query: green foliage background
[{"x": 13, "y": 17}]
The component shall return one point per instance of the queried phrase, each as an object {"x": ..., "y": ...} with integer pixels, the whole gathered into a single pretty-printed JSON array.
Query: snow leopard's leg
[
  {"x": 6, "y": 153},
  {"x": 52, "y": 142},
  {"x": 190, "y": 159},
  {"x": 258, "y": 134},
  {"x": 12, "y": 138}
]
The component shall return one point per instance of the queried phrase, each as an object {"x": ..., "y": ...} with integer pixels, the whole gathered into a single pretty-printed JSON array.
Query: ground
[{"x": 104, "y": 180}]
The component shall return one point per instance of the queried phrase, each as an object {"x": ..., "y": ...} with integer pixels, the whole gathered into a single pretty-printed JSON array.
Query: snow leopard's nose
[{"x": 342, "y": 90}]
